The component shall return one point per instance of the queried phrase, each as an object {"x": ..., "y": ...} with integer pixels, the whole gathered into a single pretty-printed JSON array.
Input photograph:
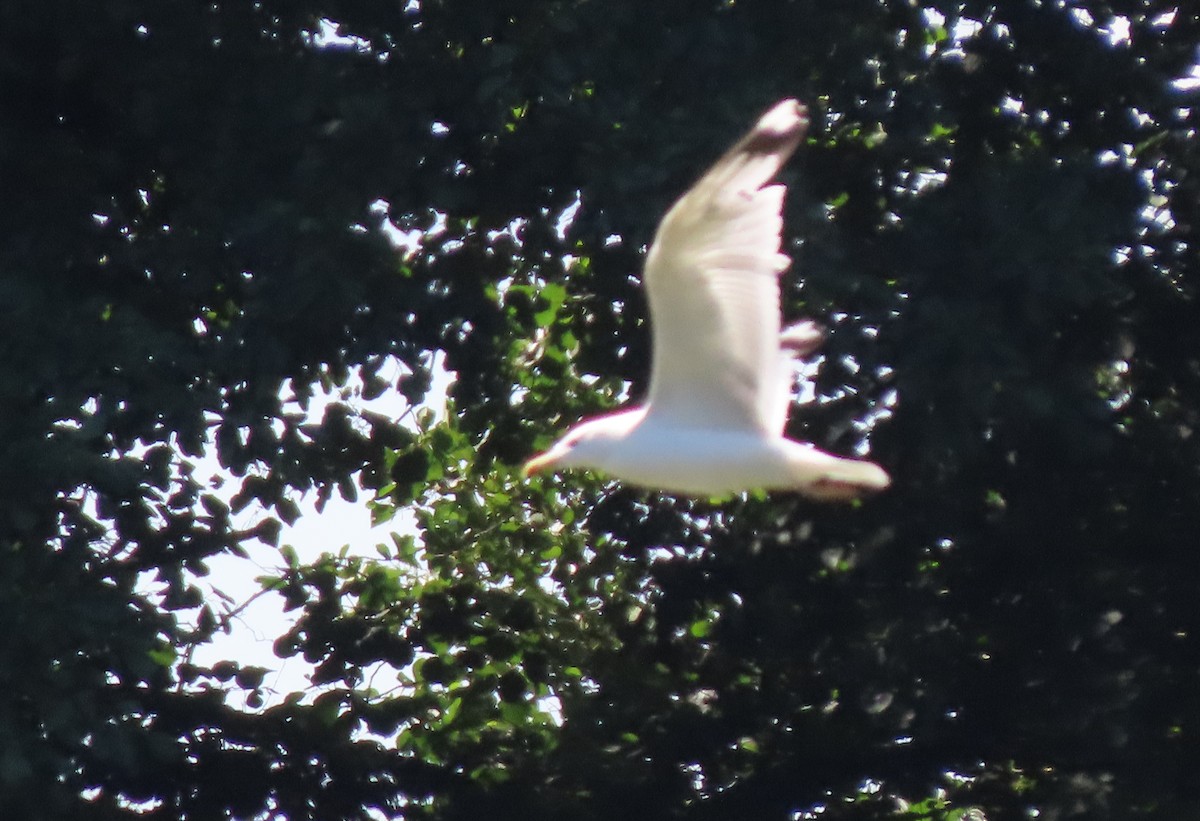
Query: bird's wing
[
  {"x": 796, "y": 342},
  {"x": 712, "y": 277}
]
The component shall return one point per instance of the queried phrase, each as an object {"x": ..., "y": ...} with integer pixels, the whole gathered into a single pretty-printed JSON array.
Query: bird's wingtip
[
  {"x": 775, "y": 136},
  {"x": 802, "y": 338},
  {"x": 785, "y": 117}
]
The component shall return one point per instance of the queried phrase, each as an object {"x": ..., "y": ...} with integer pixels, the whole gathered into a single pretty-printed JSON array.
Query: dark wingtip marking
[{"x": 779, "y": 130}]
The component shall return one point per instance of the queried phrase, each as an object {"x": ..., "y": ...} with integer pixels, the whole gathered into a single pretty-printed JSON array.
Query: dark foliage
[{"x": 996, "y": 214}]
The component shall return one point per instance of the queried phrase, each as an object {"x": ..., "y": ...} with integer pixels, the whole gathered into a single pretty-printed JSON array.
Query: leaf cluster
[{"x": 995, "y": 214}]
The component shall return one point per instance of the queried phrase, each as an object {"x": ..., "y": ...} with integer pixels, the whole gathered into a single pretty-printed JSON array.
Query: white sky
[{"x": 254, "y": 630}]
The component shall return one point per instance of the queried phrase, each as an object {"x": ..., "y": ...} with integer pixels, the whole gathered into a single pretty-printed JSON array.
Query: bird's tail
[{"x": 826, "y": 477}]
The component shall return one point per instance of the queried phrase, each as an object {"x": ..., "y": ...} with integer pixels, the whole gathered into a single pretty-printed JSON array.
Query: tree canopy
[{"x": 996, "y": 214}]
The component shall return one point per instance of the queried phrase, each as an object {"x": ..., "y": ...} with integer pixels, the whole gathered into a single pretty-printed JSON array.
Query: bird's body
[
  {"x": 665, "y": 456},
  {"x": 721, "y": 374}
]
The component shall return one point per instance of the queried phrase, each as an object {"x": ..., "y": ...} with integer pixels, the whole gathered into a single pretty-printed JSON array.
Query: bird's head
[{"x": 587, "y": 445}]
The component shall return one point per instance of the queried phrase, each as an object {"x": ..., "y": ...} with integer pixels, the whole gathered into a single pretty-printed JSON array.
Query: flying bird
[{"x": 722, "y": 370}]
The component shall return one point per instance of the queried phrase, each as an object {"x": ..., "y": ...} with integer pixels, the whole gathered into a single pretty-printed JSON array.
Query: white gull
[{"x": 721, "y": 374}]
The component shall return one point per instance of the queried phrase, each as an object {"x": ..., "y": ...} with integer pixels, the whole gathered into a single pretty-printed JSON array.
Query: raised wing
[{"x": 712, "y": 277}]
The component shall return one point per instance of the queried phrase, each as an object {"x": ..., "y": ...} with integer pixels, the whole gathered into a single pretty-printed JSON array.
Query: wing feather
[{"x": 712, "y": 278}]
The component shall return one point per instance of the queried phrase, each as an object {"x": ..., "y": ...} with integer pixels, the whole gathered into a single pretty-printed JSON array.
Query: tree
[{"x": 995, "y": 213}]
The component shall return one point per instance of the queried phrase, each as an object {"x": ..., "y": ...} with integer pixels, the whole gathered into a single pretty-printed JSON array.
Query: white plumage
[{"x": 721, "y": 374}]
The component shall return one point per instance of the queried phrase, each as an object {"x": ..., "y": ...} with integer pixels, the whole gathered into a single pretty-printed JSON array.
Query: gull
[{"x": 722, "y": 370}]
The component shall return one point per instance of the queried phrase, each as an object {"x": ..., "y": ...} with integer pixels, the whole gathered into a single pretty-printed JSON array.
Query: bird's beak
[{"x": 539, "y": 463}]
